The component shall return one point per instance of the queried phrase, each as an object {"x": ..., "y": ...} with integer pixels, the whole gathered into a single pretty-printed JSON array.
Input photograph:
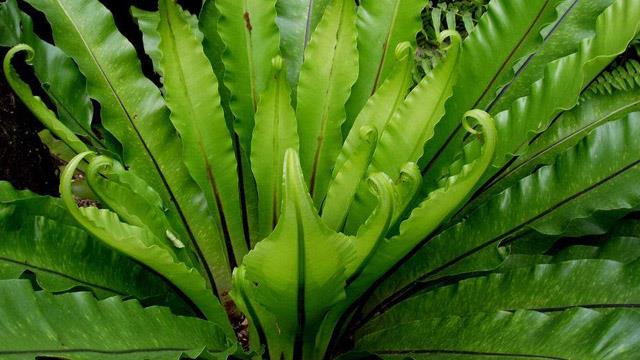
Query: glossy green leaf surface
[
  {"x": 567, "y": 198},
  {"x": 325, "y": 83},
  {"x": 191, "y": 92},
  {"x": 76, "y": 326},
  {"x": 297, "y": 20},
  {"x": 595, "y": 284},
  {"x": 64, "y": 257},
  {"x": 299, "y": 286},
  {"x": 249, "y": 33},
  {"x": 382, "y": 25},
  {"x": 275, "y": 132},
  {"x": 152, "y": 148},
  {"x": 523, "y": 334},
  {"x": 141, "y": 244}
]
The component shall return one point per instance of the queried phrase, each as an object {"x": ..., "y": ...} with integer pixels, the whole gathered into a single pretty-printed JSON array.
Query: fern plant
[{"x": 286, "y": 191}]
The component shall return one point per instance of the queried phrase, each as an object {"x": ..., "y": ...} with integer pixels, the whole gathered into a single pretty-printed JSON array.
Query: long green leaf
[
  {"x": 326, "y": 78},
  {"x": 298, "y": 272},
  {"x": 596, "y": 284},
  {"x": 76, "y": 326},
  {"x": 133, "y": 110},
  {"x": 576, "y": 21},
  {"x": 432, "y": 211},
  {"x": 297, "y": 20},
  {"x": 612, "y": 96},
  {"x": 573, "y": 334},
  {"x": 586, "y": 187},
  {"x": 403, "y": 139},
  {"x": 382, "y": 25},
  {"x": 64, "y": 257},
  {"x": 618, "y": 248},
  {"x": 564, "y": 80},
  {"x": 275, "y": 131},
  {"x": 507, "y": 32},
  {"x": 250, "y": 36},
  {"x": 142, "y": 245},
  {"x": 191, "y": 92}
]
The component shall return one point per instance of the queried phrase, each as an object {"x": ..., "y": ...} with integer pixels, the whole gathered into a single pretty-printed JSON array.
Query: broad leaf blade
[
  {"x": 275, "y": 131},
  {"x": 574, "y": 334},
  {"x": 298, "y": 272},
  {"x": 382, "y": 25},
  {"x": 297, "y": 20},
  {"x": 76, "y": 326},
  {"x": 133, "y": 110},
  {"x": 191, "y": 92},
  {"x": 326, "y": 78},
  {"x": 597, "y": 284},
  {"x": 585, "y": 189}
]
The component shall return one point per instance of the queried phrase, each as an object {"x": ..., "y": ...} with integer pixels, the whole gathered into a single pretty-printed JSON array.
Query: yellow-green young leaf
[
  {"x": 381, "y": 107},
  {"x": 274, "y": 132},
  {"x": 297, "y": 19},
  {"x": 191, "y": 92},
  {"x": 142, "y": 245},
  {"x": 373, "y": 231},
  {"x": 411, "y": 126},
  {"x": 347, "y": 178},
  {"x": 134, "y": 202},
  {"x": 327, "y": 75},
  {"x": 298, "y": 272},
  {"x": 250, "y": 35},
  {"x": 433, "y": 210},
  {"x": 382, "y": 25},
  {"x": 47, "y": 117}
]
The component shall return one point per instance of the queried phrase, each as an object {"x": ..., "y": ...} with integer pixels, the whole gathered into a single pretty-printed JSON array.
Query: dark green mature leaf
[
  {"x": 507, "y": 32},
  {"x": 297, "y": 20},
  {"x": 612, "y": 96},
  {"x": 76, "y": 326},
  {"x": 573, "y": 334},
  {"x": 563, "y": 82},
  {"x": 64, "y": 257},
  {"x": 9, "y": 23},
  {"x": 586, "y": 187},
  {"x": 596, "y": 284},
  {"x": 133, "y": 110},
  {"x": 382, "y": 25},
  {"x": 576, "y": 21},
  {"x": 622, "y": 249},
  {"x": 326, "y": 78}
]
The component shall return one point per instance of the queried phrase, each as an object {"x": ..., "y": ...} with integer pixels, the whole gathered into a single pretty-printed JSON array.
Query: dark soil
[{"x": 24, "y": 161}]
